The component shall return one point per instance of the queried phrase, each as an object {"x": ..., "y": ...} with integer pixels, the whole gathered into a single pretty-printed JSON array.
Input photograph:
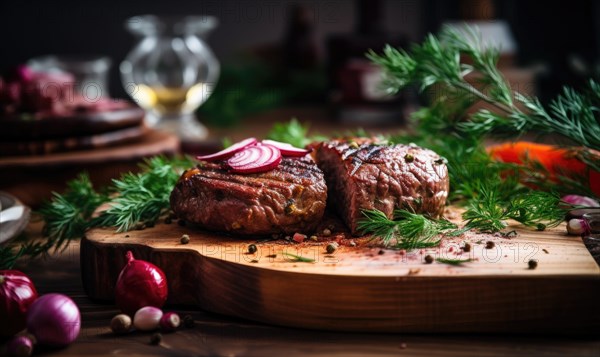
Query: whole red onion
[
  {"x": 17, "y": 293},
  {"x": 54, "y": 320},
  {"x": 140, "y": 284}
]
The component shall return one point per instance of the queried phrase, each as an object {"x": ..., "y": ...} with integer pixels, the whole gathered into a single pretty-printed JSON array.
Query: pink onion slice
[
  {"x": 287, "y": 149},
  {"x": 226, "y": 153},
  {"x": 255, "y": 159}
]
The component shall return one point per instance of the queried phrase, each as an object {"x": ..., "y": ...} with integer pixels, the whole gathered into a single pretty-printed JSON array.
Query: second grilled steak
[
  {"x": 288, "y": 199},
  {"x": 362, "y": 175}
]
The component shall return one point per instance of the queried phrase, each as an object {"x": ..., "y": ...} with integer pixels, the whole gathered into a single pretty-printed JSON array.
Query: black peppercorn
[
  {"x": 409, "y": 158},
  {"x": 155, "y": 338},
  {"x": 428, "y": 259},
  {"x": 331, "y": 247},
  {"x": 532, "y": 264},
  {"x": 467, "y": 247},
  {"x": 489, "y": 244},
  {"x": 252, "y": 248},
  {"x": 381, "y": 252}
]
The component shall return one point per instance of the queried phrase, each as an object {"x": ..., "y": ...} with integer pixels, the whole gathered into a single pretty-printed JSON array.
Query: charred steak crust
[
  {"x": 361, "y": 174},
  {"x": 288, "y": 199}
]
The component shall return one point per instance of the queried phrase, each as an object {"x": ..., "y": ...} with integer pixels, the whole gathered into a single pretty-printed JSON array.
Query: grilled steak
[
  {"x": 288, "y": 199},
  {"x": 363, "y": 175}
]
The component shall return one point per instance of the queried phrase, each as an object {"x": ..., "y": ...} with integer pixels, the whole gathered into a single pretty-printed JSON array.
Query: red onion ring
[
  {"x": 287, "y": 149},
  {"x": 226, "y": 153},
  {"x": 255, "y": 159}
]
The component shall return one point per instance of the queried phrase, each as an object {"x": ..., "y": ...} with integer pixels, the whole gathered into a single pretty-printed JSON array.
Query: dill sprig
[
  {"x": 297, "y": 258},
  {"x": 142, "y": 197},
  {"x": 66, "y": 215},
  {"x": 537, "y": 209},
  {"x": 406, "y": 230}
]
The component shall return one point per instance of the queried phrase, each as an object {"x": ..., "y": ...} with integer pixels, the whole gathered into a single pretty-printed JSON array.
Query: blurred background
[
  {"x": 561, "y": 35},
  {"x": 249, "y": 64}
]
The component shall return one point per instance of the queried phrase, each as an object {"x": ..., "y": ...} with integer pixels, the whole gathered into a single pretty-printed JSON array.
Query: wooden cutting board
[{"x": 361, "y": 287}]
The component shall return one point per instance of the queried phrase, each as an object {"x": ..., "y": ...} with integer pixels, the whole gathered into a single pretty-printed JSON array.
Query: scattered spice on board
[{"x": 532, "y": 264}]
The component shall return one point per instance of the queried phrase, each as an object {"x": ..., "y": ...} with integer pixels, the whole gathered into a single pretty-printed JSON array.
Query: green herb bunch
[{"x": 139, "y": 198}]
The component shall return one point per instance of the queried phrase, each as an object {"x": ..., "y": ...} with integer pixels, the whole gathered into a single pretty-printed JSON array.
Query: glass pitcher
[{"x": 171, "y": 71}]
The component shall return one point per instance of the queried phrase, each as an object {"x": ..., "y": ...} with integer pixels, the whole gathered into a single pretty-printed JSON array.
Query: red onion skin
[
  {"x": 20, "y": 346},
  {"x": 140, "y": 284},
  {"x": 54, "y": 320},
  {"x": 17, "y": 293},
  {"x": 580, "y": 200}
]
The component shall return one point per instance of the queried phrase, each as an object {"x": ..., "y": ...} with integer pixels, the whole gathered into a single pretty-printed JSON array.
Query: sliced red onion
[
  {"x": 581, "y": 201},
  {"x": 255, "y": 159},
  {"x": 287, "y": 149},
  {"x": 226, "y": 153}
]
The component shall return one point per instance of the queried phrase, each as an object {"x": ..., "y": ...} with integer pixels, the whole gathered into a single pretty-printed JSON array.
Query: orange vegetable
[{"x": 556, "y": 160}]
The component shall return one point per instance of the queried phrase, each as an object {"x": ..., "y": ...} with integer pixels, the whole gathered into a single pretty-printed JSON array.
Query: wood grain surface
[
  {"x": 219, "y": 335},
  {"x": 364, "y": 287}
]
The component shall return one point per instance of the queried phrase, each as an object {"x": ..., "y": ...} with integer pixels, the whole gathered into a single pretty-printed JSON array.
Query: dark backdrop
[{"x": 548, "y": 32}]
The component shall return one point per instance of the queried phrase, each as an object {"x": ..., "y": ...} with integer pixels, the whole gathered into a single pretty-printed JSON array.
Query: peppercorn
[
  {"x": 252, "y": 248},
  {"x": 466, "y": 247},
  {"x": 326, "y": 232},
  {"x": 381, "y": 252},
  {"x": 155, "y": 338},
  {"x": 489, "y": 244},
  {"x": 541, "y": 227},
  {"x": 188, "y": 321},
  {"x": 428, "y": 259},
  {"x": 314, "y": 238},
  {"x": 331, "y": 247},
  {"x": 532, "y": 264},
  {"x": 185, "y": 239},
  {"x": 409, "y": 158}
]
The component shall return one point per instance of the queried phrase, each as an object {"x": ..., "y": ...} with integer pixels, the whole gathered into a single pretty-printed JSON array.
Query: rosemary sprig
[
  {"x": 454, "y": 262},
  {"x": 406, "y": 231}
]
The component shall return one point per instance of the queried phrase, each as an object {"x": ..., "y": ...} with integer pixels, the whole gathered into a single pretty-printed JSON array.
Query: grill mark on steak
[
  {"x": 288, "y": 199},
  {"x": 380, "y": 177}
]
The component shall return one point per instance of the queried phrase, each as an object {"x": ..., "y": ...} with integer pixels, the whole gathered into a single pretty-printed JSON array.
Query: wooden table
[{"x": 216, "y": 335}]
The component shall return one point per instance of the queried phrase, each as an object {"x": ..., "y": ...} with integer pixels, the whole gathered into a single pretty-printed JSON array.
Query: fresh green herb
[
  {"x": 136, "y": 199},
  {"x": 455, "y": 262},
  {"x": 66, "y": 216},
  {"x": 142, "y": 197},
  {"x": 493, "y": 192},
  {"x": 293, "y": 132},
  {"x": 297, "y": 258},
  {"x": 406, "y": 231},
  {"x": 533, "y": 209}
]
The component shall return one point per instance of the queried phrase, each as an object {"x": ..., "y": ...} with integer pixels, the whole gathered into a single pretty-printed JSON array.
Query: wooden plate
[
  {"x": 365, "y": 288},
  {"x": 16, "y": 128},
  {"x": 49, "y": 146}
]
